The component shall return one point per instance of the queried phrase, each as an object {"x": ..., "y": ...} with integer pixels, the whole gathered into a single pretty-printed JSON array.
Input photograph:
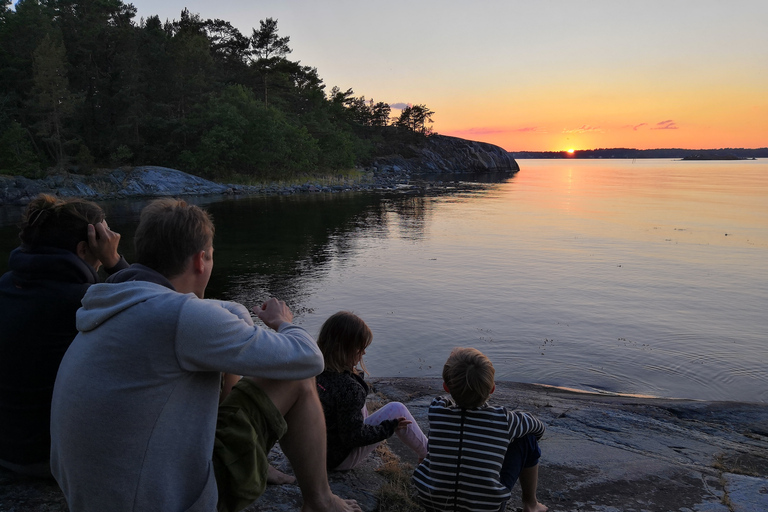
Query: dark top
[
  {"x": 39, "y": 296},
  {"x": 343, "y": 396}
]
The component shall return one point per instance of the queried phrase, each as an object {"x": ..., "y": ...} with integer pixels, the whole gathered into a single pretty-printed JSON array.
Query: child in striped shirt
[{"x": 477, "y": 451}]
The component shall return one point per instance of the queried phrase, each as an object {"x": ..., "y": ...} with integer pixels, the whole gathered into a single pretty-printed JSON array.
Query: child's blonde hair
[
  {"x": 468, "y": 375},
  {"x": 342, "y": 339}
]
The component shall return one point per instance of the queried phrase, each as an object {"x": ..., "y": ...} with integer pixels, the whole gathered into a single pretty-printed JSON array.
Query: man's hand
[
  {"x": 273, "y": 313},
  {"x": 103, "y": 243}
]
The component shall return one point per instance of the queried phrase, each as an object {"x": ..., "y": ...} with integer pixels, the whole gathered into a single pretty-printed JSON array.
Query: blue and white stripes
[{"x": 466, "y": 452}]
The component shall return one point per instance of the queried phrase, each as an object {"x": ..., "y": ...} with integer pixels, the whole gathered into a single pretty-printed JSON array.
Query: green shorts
[{"x": 248, "y": 426}]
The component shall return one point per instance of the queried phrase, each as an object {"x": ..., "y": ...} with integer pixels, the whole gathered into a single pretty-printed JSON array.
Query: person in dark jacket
[
  {"x": 63, "y": 244},
  {"x": 352, "y": 434}
]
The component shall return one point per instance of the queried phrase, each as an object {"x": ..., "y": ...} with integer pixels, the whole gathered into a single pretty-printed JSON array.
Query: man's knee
[
  {"x": 306, "y": 389},
  {"x": 285, "y": 394}
]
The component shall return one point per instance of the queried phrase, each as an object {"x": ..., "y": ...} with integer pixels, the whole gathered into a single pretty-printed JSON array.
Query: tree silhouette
[
  {"x": 415, "y": 119},
  {"x": 380, "y": 113},
  {"x": 269, "y": 49}
]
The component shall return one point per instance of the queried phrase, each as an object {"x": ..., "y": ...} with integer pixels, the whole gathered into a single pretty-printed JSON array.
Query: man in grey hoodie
[{"x": 136, "y": 398}]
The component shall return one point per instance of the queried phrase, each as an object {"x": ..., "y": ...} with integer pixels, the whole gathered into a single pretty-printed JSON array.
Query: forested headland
[{"x": 86, "y": 85}]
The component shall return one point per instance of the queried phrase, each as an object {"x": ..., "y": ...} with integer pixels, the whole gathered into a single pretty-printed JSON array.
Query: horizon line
[{"x": 634, "y": 149}]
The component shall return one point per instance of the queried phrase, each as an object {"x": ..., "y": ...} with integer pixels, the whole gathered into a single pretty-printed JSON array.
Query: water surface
[{"x": 646, "y": 277}]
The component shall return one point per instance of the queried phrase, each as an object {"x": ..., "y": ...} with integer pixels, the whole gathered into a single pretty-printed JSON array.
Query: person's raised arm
[
  {"x": 220, "y": 336},
  {"x": 103, "y": 243},
  {"x": 273, "y": 313}
]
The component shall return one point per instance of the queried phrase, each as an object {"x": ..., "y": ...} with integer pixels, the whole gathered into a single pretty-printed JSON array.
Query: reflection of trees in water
[
  {"x": 412, "y": 215},
  {"x": 283, "y": 246}
]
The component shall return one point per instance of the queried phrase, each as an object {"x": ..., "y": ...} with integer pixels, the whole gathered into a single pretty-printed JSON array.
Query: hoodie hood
[
  {"x": 51, "y": 263},
  {"x": 103, "y": 301},
  {"x": 139, "y": 272}
]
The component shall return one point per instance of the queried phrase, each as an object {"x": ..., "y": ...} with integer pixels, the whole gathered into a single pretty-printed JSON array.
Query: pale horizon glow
[{"x": 537, "y": 76}]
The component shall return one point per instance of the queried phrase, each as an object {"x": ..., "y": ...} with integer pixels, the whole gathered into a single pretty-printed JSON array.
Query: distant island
[
  {"x": 716, "y": 157},
  {"x": 684, "y": 154}
]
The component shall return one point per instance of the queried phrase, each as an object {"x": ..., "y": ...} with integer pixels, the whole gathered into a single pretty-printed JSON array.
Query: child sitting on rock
[
  {"x": 352, "y": 434},
  {"x": 477, "y": 451}
]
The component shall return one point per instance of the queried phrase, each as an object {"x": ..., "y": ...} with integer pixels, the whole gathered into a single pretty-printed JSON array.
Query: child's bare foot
[
  {"x": 277, "y": 477},
  {"x": 334, "y": 504},
  {"x": 536, "y": 507}
]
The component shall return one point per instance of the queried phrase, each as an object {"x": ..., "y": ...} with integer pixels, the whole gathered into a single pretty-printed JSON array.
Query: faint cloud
[
  {"x": 399, "y": 106},
  {"x": 633, "y": 126},
  {"x": 666, "y": 125},
  {"x": 583, "y": 129}
]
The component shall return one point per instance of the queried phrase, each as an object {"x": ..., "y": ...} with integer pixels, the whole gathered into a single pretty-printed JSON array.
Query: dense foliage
[{"x": 83, "y": 84}]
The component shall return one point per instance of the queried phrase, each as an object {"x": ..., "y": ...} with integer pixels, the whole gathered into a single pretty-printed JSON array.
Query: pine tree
[{"x": 269, "y": 49}]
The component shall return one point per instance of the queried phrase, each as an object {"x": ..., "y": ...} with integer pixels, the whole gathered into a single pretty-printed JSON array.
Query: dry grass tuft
[
  {"x": 397, "y": 494},
  {"x": 375, "y": 402},
  {"x": 740, "y": 464}
]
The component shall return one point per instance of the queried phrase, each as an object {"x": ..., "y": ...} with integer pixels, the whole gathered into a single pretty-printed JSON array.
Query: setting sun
[{"x": 570, "y": 151}]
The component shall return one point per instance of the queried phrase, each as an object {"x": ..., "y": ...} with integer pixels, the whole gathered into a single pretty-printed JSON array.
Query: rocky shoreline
[
  {"x": 434, "y": 168},
  {"x": 145, "y": 182},
  {"x": 601, "y": 453}
]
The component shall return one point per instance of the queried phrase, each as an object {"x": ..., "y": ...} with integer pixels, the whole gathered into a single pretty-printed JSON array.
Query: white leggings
[{"x": 412, "y": 435}]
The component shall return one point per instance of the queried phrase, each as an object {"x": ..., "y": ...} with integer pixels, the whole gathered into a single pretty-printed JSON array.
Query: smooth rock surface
[
  {"x": 603, "y": 453},
  {"x": 145, "y": 181},
  {"x": 600, "y": 453}
]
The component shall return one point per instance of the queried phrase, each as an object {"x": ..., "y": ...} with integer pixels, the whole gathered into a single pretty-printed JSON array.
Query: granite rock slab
[{"x": 600, "y": 453}]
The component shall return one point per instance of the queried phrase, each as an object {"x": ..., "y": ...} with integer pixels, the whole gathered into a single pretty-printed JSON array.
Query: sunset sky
[{"x": 537, "y": 76}]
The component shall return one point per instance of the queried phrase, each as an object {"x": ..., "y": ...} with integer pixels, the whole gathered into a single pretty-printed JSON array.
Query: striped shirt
[{"x": 466, "y": 452}]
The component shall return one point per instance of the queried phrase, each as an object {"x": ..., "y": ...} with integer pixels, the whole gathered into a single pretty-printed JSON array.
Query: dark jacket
[
  {"x": 39, "y": 296},
  {"x": 343, "y": 396}
]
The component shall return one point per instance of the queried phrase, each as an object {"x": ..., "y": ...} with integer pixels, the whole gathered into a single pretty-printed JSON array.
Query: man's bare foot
[
  {"x": 537, "y": 507},
  {"x": 277, "y": 477},
  {"x": 334, "y": 504}
]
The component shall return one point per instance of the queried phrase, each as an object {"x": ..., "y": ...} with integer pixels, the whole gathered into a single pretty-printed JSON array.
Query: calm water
[{"x": 646, "y": 277}]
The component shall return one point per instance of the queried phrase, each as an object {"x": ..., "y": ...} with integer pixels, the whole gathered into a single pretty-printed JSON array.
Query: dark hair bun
[
  {"x": 40, "y": 209},
  {"x": 62, "y": 223}
]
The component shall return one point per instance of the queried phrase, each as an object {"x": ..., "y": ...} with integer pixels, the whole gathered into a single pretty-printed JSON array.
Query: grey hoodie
[{"x": 135, "y": 400}]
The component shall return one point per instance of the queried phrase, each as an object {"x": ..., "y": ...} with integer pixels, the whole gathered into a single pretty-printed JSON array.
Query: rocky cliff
[{"x": 442, "y": 154}]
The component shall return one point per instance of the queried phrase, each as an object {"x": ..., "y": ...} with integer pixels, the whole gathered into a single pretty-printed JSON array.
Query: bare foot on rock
[
  {"x": 277, "y": 477},
  {"x": 537, "y": 507},
  {"x": 334, "y": 504}
]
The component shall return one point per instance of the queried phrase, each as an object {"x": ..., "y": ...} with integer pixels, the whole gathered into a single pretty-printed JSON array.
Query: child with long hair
[{"x": 351, "y": 432}]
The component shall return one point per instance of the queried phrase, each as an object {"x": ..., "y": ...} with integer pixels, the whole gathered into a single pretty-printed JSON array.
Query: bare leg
[
  {"x": 304, "y": 444},
  {"x": 228, "y": 381},
  {"x": 274, "y": 476},
  {"x": 529, "y": 481}
]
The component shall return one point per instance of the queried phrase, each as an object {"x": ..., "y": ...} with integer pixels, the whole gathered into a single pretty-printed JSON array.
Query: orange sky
[
  {"x": 538, "y": 76},
  {"x": 644, "y": 115}
]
